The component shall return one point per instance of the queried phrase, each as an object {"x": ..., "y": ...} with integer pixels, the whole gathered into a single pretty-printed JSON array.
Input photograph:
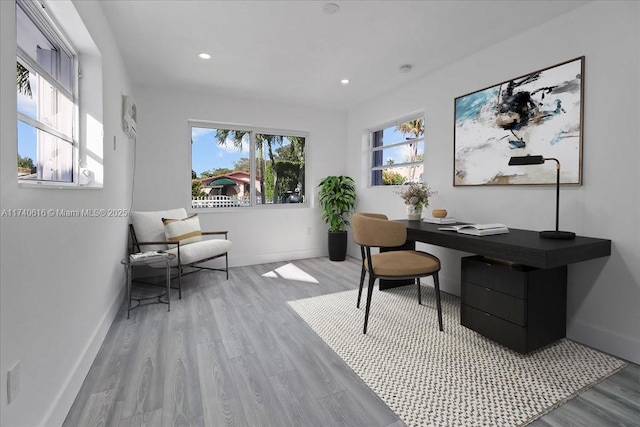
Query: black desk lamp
[{"x": 538, "y": 160}]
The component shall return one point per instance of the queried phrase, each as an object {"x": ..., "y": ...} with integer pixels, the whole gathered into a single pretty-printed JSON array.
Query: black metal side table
[{"x": 129, "y": 263}]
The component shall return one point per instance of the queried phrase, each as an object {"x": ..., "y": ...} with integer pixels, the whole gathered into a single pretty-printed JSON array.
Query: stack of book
[
  {"x": 478, "y": 229},
  {"x": 147, "y": 256},
  {"x": 440, "y": 220}
]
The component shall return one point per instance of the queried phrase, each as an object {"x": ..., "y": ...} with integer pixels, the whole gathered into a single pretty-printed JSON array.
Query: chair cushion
[
  {"x": 148, "y": 226},
  {"x": 404, "y": 263},
  {"x": 185, "y": 230},
  {"x": 199, "y": 251}
]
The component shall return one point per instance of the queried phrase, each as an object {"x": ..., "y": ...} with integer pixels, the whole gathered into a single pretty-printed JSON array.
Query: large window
[
  {"x": 47, "y": 102},
  {"x": 234, "y": 166},
  {"x": 397, "y": 153}
]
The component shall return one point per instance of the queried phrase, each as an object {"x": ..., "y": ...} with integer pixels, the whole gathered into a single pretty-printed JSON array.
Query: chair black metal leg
[
  {"x": 366, "y": 313},
  {"x": 362, "y": 274},
  {"x": 179, "y": 282},
  {"x": 419, "y": 292},
  {"x": 226, "y": 262},
  {"x": 436, "y": 285}
]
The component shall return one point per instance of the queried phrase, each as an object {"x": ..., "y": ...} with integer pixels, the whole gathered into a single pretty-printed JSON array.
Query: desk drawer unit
[{"x": 520, "y": 307}]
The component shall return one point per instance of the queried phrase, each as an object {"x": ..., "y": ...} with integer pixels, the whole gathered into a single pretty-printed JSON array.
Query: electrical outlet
[{"x": 13, "y": 383}]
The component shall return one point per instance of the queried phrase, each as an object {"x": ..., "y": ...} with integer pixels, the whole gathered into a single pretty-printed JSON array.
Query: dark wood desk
[
  {"x": 518, "y": 246},
  {"x": 514, "y": 290}
]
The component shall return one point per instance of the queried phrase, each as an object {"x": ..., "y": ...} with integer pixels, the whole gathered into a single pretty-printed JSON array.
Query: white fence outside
[{"x": 218, "y": 202}]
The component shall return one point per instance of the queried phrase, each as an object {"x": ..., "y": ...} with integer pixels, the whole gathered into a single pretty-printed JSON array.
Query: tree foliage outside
[
  {"x": 273, "y": 176},
  {"x": 25, "y": 162},
  {"x": 197, "y": 189},
  {"x": 22, "y": 80},
  {"x": 244, "y": 165},
  {"x": 392, "y": 178}
]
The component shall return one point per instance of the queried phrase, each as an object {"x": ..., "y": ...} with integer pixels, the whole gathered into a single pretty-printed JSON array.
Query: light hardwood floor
[{"x": 233, "y": 353}]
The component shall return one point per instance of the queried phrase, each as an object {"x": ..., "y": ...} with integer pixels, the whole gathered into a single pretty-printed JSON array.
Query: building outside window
[
  {"x": 397, "y": 152},
  {"x": 47, "y": 122},
  {"x": 235, "y": 166}
]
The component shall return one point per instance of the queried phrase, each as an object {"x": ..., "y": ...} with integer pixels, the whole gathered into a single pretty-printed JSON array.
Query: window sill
[{"x": 58, "y": 186}]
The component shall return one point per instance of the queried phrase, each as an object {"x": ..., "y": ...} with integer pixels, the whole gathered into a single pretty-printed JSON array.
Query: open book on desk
[{"x": 477, "y": 229}]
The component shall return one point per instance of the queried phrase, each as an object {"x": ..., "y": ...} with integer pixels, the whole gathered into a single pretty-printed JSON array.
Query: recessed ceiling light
[
  {"x": 344, "y": 81},
  {"x": 204, "y": 55},
  {"x": 330, "y": 8},
  {"x": 405, "y": 68}
]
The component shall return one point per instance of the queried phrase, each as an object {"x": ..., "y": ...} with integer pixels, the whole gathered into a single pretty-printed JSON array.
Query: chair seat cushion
[
  {"x": 404, "y": 263},
  {"x": 195, "y": 252}
]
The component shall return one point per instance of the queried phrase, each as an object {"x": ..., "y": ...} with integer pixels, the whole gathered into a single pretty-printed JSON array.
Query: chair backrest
[
  {"x": 374, "y": 215},
  {"x": 375, "y": 230},
  {"x": 148, "y": 226}
]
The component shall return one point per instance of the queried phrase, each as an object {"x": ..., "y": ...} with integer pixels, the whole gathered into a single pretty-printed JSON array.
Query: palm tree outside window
[{"x": 397, "y": 152}]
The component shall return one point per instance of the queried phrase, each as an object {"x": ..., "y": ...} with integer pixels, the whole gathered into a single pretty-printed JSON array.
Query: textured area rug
[{"x": 455, "y": 377}]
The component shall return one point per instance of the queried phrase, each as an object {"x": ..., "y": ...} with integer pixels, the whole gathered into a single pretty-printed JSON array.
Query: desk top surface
[{"x": 518, "y": 246}]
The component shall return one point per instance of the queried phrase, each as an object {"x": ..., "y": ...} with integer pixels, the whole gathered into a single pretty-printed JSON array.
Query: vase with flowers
[{"x": 416, "y": 198}]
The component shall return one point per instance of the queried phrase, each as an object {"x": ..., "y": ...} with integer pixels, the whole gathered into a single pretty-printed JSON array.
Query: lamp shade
[{"x": 526, "y": 160}]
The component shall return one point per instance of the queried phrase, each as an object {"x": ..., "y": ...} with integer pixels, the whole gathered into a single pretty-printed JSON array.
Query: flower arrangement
[{"x": 417, "y": 194}]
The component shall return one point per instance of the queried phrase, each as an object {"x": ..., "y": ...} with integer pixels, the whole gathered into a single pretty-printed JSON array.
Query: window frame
[
  {"x": 252, "y": 130},
  {"x": 51, "y": 30},
  {"x": 375, "y": 151}
]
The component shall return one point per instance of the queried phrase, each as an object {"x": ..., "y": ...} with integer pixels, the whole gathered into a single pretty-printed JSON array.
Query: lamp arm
[{"x": 557, "y": 190}]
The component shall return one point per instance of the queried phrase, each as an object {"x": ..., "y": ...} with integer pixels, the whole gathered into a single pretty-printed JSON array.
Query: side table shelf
[{"x": 128, "y": 266}]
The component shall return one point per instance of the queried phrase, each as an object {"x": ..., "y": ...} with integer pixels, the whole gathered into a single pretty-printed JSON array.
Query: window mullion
[
  {"x": 397, "y": 144},
  {"x": 44, "y": 73},
  {"x": 396, "y": 166},
  {"x": 43, "y": 127}
]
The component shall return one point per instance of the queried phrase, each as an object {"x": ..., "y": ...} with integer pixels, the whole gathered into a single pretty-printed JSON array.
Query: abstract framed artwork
[{"x": 540, "y": 113}]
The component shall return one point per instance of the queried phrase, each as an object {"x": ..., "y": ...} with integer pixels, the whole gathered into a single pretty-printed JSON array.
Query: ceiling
[{"x": 293, "y": 52}]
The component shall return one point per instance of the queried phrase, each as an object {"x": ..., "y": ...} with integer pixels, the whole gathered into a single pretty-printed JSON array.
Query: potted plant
[
  {"x": 337, "y": 199},
  {"x": 416, "y": 197}
]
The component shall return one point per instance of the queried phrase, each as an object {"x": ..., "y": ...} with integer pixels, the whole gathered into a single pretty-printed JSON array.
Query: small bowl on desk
[{"x": 439, "y": 213}]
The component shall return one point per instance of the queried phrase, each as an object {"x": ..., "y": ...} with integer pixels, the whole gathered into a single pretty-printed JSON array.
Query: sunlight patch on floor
[{"x": 290, "y": 272}]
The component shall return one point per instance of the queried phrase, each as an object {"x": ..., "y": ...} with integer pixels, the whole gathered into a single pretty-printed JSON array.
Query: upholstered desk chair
[{"x": 375, "y": 231}]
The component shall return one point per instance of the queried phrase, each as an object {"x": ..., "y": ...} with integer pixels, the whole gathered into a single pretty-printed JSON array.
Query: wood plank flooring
[{"x": 233, "y": 353}]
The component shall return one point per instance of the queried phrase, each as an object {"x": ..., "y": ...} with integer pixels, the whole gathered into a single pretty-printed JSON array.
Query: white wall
[
  {"x": 603, "y": 294},
  {"x": 163, "y": 171},
  {"x": 61, "y": 278}
]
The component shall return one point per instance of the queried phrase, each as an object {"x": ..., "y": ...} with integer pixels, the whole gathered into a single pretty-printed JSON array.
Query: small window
[
  {"x": 47, "y": 100},
  {"x": 242, "y": 167},
  {"x": 397, "y": 153}
]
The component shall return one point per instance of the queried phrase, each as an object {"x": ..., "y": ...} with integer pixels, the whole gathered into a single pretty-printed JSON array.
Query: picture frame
[{"x": 540, "y": 113}]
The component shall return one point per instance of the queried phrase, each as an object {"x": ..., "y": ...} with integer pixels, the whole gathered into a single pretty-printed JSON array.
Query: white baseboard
[
  {"x": 611, "y": 342},
  {"x": 57, "y": 412},
  {"x": 237, "y": 261}
]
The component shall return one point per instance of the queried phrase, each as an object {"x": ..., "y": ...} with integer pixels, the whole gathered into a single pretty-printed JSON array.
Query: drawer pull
[{"x": 488, "y": 289}]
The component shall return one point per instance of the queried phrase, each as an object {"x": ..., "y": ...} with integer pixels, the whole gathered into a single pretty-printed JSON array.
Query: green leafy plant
[{"x": 337, "y": 199}]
